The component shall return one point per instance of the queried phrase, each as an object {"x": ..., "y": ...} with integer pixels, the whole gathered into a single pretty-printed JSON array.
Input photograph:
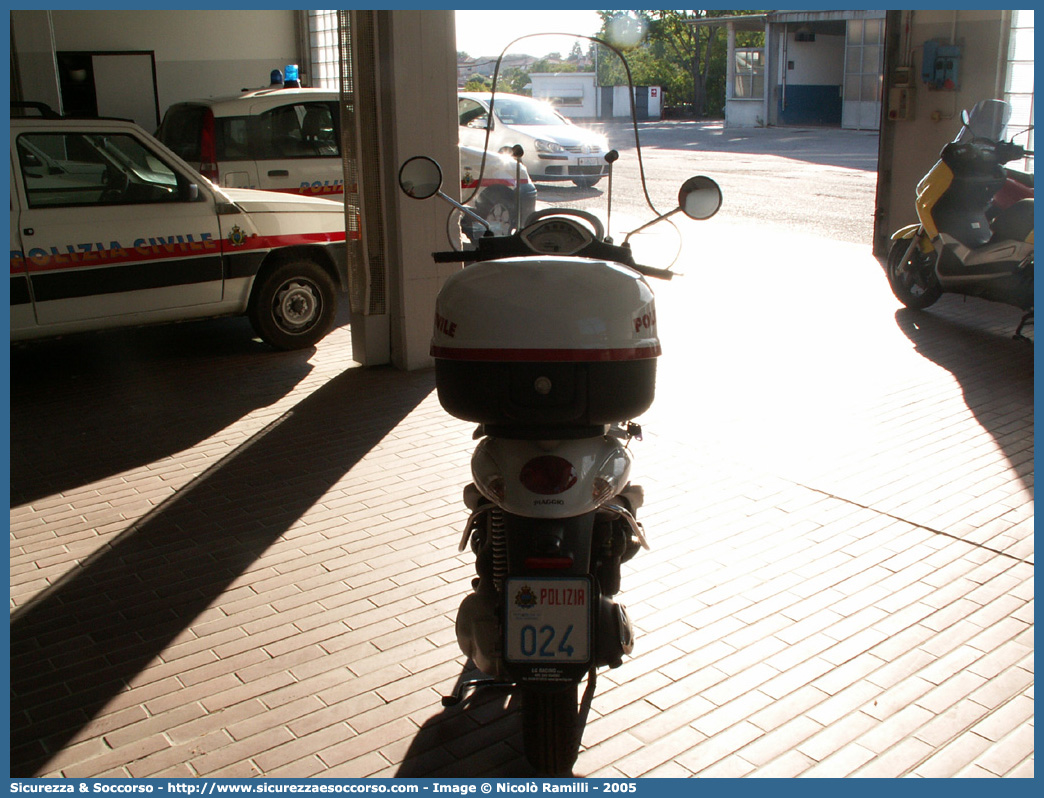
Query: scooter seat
[{"x": 1014, "y": 223}]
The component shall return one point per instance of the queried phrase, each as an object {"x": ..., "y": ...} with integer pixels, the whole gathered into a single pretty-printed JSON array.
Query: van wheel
[{"x": 294, "y": 306}]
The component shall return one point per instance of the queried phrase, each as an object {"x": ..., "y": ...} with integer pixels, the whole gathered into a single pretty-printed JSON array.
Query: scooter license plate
[{"x": 548, "y": 619}]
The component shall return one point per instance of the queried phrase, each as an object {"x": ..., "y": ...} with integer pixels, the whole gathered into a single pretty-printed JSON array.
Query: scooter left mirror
[
  {"x": 420, "y": 177},
  {"x": 699, "y": 197}
]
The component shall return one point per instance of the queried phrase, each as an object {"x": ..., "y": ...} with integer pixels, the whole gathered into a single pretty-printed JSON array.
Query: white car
[
  {"x": 554, "y": 148},
  {"x": 109, "y": 228},
  {"x": 288, "y": 139}
]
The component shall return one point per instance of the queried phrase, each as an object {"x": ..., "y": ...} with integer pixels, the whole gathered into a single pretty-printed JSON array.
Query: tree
[
  {"x": 552, "y": 64},
  {"x": 688, "y": 60},
  {"x": 477, "y": 83},
  {"x": 514, "y": 80}
]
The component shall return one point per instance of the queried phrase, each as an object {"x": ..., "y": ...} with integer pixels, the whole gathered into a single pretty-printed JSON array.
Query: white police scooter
[{"x": 548, "y": 341}]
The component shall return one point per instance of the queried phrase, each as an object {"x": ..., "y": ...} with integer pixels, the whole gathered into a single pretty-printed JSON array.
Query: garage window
[
  {"x": 1019, "y": 81},
  {"x": 750, "y": 74},
  {"x": 563, "y": 96}
]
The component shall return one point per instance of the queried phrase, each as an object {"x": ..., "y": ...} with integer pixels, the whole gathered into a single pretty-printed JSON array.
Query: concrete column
[{"x": 418, "y": 63}]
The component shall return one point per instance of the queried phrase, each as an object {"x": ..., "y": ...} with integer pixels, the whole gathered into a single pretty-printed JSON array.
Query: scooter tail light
[{"x": 548, "y": 475}]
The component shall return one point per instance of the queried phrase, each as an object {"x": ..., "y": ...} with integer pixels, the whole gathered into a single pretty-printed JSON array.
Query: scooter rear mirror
[
  {"x": 699, "y": 197},
  {"x": 420, "y": 177}
]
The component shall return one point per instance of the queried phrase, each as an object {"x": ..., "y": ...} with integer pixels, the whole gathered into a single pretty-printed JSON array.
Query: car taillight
[
  {"x": 208, "y": 166},
  {"x": 548, "y": 475}
]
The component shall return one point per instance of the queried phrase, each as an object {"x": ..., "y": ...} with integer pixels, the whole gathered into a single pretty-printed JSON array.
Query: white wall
[
  {"x": 745, "y": 113},
  {"x": 573, "y": 84},
  {"x": 31, "y": 39},
  {"x": 198, "y": 53},
  {"x": 818, "y": 63}
]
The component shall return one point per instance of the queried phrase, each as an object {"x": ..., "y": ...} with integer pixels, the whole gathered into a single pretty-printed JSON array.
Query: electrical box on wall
[
  {"x": 901, "y": 94},
  {"x": 940, "y": 66},
  {"x": 900, "y": 103}
]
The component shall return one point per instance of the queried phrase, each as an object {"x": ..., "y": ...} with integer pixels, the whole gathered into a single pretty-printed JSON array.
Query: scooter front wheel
[
  {"x": 912, "y": 276},
  {"x": 551, "y": 730}
]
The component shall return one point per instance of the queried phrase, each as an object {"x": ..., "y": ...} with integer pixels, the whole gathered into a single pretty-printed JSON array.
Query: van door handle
[{"x": 279, "y": 173}]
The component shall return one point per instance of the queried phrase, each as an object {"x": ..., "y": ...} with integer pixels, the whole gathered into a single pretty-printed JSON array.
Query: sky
[{"x": 482, "y": 33}]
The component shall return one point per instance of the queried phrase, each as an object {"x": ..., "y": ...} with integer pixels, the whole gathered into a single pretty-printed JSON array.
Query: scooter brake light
[
  {"x": 549, "y": 563},
  {"x": 548, "y": 475}
]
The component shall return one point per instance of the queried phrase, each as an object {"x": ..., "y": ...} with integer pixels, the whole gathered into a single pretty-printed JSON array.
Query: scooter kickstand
[
  {"x": 1018, "y": 336},
  {"x": 471, "y": 684}
]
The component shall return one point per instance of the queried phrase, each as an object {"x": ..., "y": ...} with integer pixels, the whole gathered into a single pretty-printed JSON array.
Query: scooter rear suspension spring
[{"x": 498, "y": 540}]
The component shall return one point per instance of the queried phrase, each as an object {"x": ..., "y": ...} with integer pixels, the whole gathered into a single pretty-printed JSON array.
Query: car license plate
[
  {"x": 548, "y": 620},
  {"x": 589, "y": 161}
]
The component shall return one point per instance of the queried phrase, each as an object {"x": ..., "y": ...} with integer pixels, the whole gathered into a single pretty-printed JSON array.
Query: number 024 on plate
[{"x": 548, "y": 619}]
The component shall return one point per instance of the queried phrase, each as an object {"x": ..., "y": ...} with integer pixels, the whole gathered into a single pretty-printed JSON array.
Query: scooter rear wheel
[
  {"x": 550, "y": 730},
  {"x": 912, "y": 278}
]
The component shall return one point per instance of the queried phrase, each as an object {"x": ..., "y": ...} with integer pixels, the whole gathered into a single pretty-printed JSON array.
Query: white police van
[
  {"x": 109, "y": 228},
  {"x": 288, "y": 139}
]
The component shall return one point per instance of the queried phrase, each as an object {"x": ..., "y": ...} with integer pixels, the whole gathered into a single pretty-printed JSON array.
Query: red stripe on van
[{"x": 56, "y": 260}]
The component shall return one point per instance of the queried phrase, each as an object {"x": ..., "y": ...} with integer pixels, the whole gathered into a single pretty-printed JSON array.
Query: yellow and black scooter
[{"x": 970, "y": 240}]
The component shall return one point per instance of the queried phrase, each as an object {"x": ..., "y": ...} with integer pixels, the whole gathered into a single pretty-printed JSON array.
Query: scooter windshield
[{"x": 987, "y": 120}]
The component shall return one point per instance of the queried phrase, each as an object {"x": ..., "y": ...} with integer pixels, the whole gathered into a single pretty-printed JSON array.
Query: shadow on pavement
[
  {"x": 77, "y": 645},
  {"x": 480, "y": 737},
  {"x": 995, "y": 372},
  {"x": 86, "y": 407}
]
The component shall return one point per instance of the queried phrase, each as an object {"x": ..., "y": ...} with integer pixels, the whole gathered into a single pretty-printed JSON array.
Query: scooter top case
[{"x": 545, "y": 346}]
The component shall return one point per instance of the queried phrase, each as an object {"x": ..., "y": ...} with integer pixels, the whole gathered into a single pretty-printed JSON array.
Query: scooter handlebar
[
  {"x": 649, "y": 271},
  {"x": 469, "y": 256},
  {"x": 452, "y": 256}
]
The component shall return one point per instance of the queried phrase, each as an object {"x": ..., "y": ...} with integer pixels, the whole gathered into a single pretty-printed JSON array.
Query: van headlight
[{"x": 548, "y": 146}]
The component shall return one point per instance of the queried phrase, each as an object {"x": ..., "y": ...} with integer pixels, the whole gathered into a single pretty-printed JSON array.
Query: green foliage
[
  {"x": 477, "y": 83},
  {"x": 514, "y": 81},
  {"x": 688, "y": 61},
  {"x": 548, "y": 65}
]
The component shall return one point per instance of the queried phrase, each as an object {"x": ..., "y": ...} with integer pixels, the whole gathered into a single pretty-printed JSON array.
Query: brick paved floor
[{"x": 227, "y": 561}]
